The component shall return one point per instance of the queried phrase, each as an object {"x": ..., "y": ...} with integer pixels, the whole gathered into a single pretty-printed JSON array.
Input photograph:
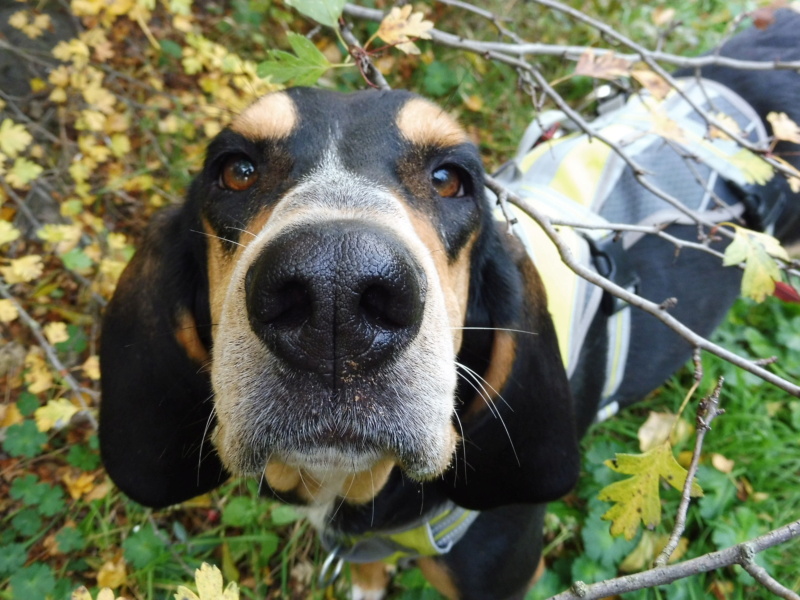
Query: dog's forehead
[{"x": 370, "y": 118}]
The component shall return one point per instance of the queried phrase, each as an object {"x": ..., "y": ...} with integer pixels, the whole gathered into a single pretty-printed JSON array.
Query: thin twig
[
  {"x": 707, "y": 410},
  {"x": 52, "y": 356},
  {"x": 365, "y": 65}
]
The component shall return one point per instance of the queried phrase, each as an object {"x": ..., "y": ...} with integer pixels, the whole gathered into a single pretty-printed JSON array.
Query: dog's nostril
[
  {"x": 387, "y": 308},
  {"x": 287, "y": 306}
]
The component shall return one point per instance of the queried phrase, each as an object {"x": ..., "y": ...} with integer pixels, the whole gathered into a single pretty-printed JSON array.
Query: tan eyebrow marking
[
  {"x": 427, "y": 124},
  {"x": 273, "y": 116}
]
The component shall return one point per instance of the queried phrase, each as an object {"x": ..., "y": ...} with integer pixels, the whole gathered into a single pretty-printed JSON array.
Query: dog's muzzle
[{"x": 335, "y": 300}]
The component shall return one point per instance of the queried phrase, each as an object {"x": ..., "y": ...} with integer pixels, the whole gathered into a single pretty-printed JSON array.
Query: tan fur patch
[
  {"x": 504, "y": 350},
  {"x": 273, "y": 116},
  {"x": 186, "y": 335},
  {"x": 362, "y": 487},
  {"x": 370, "y": 577},
  {"x": 454, "y": 276},
  {"x": 281, "y": 477},
  {"x": 427, "y": 124},
  {"x": 438, "y": 576}
]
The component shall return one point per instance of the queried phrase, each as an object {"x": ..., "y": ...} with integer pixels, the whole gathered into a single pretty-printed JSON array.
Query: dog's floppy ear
[
  {"x": 157, "y": 401},
  {"x": 520, "y": 443}
]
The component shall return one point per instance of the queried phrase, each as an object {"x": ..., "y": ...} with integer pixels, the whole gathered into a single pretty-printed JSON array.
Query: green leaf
[
  {"x": 24, "y": 439},
  {"x": 753, "y": 168},
  {"x": 324, "y": 12},
  {"x": 12, "y": 557},
  {"x": 51, "y": 502},
  {"x": 83, "y": 458},
  {"x": 240, "y": 512},
  {"x": 283, "y": 514},
  {"x": 600, "y": 546},
  {"x": 46, "y": 499},
  {"x": 32, "y": 583},
  {"x": 439, "y": 79},
  {"x": 27, "y": 522},
  {"x": 77, "y": 341},
  {"x": 76, "y": 260},
  {"x": 758, "y": 252},
  {"x": 69, "y": 540},
  {"x": 143, "y": 548},
  {"x": 304, "y": 67},
  {"x": 25, "y": 489},
  {"x": 27, "y": 403}
]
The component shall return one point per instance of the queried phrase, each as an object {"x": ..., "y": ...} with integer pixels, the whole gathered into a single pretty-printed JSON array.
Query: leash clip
[{"x": 331, "y": 568}]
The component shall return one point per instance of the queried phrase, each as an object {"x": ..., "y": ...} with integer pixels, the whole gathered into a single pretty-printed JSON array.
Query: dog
[{"x": 337, "y": 311}]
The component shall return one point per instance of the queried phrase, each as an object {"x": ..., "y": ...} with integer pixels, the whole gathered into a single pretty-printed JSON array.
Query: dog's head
[{"x": 306, "y": 309}]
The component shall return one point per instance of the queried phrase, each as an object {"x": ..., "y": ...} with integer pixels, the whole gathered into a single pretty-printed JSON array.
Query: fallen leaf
[
  {"x": 56, "y": 332},
  {"x": 112, "y": 574},
  {"x": 56, "y": 414},
  {"x": 722, "y": 464},
  {"x": 636, "y": 499},
  {"x": 655, "y": 430},
  {"x": 79, "y": 486},
  {"x": 8, "y": 311},
  {"x": 37, "y": 374},
  {"x": 663, "y": 16},
  {"x": 208, "y": 579},
  {"x": 652, "y": 82},
  {"x": 14, "y": 138},
  {"x": 8, "y": 233}
]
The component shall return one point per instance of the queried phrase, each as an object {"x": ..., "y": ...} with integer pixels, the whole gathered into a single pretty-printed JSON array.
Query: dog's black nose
[{"x": 336, "y": 299}]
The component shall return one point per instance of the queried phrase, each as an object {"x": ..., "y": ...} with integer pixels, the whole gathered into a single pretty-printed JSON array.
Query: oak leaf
[
  {"x": 637, "y": 498},
  {"x": 401, "y": 27}
]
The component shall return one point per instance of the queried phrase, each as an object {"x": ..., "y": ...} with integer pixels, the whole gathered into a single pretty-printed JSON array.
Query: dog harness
[{"x": 578, "y": 179}]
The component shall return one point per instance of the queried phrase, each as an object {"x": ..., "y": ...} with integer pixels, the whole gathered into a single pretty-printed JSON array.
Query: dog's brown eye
[
  {"x": 238, "y": 174},
  {"x": 447, "y": 182}
]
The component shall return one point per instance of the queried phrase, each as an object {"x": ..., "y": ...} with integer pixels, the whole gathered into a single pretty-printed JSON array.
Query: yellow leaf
[
  {"x": 655, "y": 431},
  {"x": 605, "y": 66},
  {"x": 120, "y": 145},
  {"x": 23, "y": 172},
  {"x": 19, "y": 19},
  {"x": 666, "y": 127},
  {"x": 726, "y": 121},
  {"x": 8, "y": 233},
  {"x": 663, "y": 16},
  {"x": 77, "y": 487},
  {"x": 722, "y": 464},
  {"x": 61, "y": 237},
  {"x": 91, "y": 366},
  {"x": 753, "y": 168},
  {"x": 783, "y": 128},
  {"x": 81, "y": 594},
  {"x": 54, "y": 415},
  {"x": 8, "y": 311},
  {"x": 99, "y": 492},
  {"x": 474, "y": 102},
  {"x": 636, "y": 499},
  {"x": 647, "y": 549},
  {"x": 14, "y": 138},
  {"x": 74, "y": 51},
  {"x": 11, "y": 416},
  {"x": 37, "y": 375},
  {"x": 22, "y": 270},
  {"x": 91, "y": 120},
  {"x": 56, "y": 332},
  {"x": 112, "y": 574},
  {"x": 208, "y": 579},
  {"x": 401, "y": 27},
  {"x": 757, "y": 251}
]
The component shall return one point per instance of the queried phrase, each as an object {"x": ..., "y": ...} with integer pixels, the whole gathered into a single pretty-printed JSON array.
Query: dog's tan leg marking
[
  {"x": 281, "y": 477},
  {"x": 370, "y": 580},
  {"x": 439, "y": 577},
  {"x": 362, "y": 487}
]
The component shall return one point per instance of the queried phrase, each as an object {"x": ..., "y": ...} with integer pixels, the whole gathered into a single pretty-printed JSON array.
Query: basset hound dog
[{"x": 337, "y": 312}]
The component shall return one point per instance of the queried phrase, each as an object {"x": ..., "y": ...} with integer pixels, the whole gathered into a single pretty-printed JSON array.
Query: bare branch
[
  {"x": 760, "y": 574},
  {"x": 707, "y": 411},
  {"x": 368, "y": 69},
  {"x": 664, "y": 575}
]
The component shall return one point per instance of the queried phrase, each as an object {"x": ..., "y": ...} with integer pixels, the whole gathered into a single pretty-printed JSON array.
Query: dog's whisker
[
  {"x": 480, "y": 378},
  {"x": 496, "y": 329},
  {"x": 463, "y": 446},
  {"x": 210, "y": 419},
  {"x": 484, "y": 395},
  {"x": 211, "y": 235}
]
